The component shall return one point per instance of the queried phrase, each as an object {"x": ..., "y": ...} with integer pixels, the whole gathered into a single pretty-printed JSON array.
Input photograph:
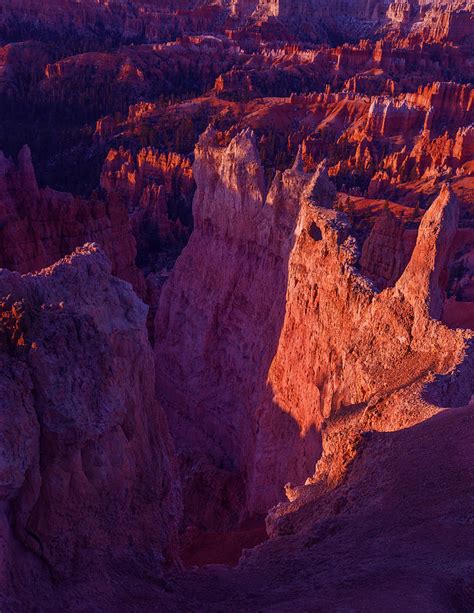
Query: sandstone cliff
[
  {"x": 312, "y": 342},
  {"x": 270, "y": 328},
  {"x": 231, "y": 276}
]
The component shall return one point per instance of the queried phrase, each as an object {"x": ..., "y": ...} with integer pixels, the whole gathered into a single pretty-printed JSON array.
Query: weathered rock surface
[
  {"x": 335, "y": 322},
  {"x": 384, "y": 255},
  {"x": 142, "y": 20},
  {"x": 231, "y": 276},
  {"x": 435, "y": 21},
  {"x": 87, "y": 467}
]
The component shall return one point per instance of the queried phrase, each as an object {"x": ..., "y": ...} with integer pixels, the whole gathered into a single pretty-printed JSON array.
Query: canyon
[{"x": 237, "y": 305}]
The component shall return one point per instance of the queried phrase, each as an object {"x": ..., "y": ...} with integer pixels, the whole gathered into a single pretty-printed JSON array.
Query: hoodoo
[{"x": 38, "y": 226}]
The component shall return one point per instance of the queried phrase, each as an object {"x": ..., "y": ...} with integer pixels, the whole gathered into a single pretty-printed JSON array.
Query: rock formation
[
  {"x": 147, "y": 21},
  {"x": 20, "y": 64},
  {"x": 144, "y": 21},
  {"x": 255, "y": 376},
  {"x": 39, "y": 226},
  {"x": 333, "y": 320},
  {"x": 222, "y": 362},
  {"x": 113, "y": 80},
  {"x": 88, "y": 474},
  {"x": 384, "y": 256},
  {"x": 157, "y": 189},
  {"x": 403, "y": 497}
]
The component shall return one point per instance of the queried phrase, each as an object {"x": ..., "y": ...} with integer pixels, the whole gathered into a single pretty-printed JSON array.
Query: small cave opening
[{"x": 315, "y": 232}]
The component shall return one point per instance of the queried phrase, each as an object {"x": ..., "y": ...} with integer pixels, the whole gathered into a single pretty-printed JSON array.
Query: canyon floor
[{"x": 237, "y": 305}]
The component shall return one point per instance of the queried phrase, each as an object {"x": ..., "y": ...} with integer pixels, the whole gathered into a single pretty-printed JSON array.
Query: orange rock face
[{"x": 255, "y": 365}]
